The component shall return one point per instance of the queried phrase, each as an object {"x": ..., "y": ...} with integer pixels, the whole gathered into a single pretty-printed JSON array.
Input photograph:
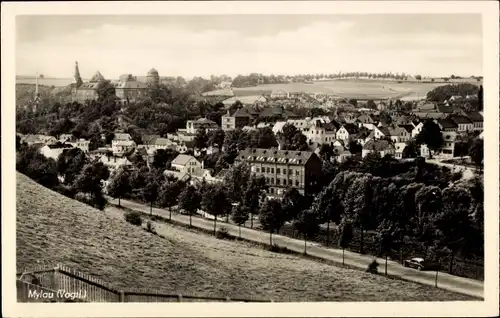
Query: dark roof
[
  {"x": 241, "y": 112},
  {"x": 445, "y": 109},
  {"x": 460, "y": 119},
  {"x": 275, "y": 155},
  {"x": 351, "y": 128},
  {"x": 408, "y": 128},
  {"x": 276, "y": 111},
  {"x": 384, "y": 130},
  {"x": 475, "y": 116},
  {"x": 336, "y": 124},
  {"x": 446, "y": 123},
  {"x": 377, "y": 145},
  {"x": 363, "y": 133}
]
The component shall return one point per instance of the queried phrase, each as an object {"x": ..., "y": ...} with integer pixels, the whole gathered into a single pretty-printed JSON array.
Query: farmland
[{"x": 54, "y": 229}]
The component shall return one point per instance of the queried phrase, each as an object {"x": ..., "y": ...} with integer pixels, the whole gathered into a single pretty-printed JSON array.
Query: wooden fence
[{"x": 63, "y": 284}]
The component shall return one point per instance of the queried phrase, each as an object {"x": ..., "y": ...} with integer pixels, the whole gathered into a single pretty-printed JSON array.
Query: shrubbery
[{"x": 133, "y": 218}]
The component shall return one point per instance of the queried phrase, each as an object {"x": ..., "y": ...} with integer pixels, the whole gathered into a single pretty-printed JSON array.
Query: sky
[{"x": 201, "y": 45}]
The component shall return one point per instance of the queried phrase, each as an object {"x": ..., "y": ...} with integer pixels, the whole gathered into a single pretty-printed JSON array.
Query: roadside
[{"x": 445, "y": 281}]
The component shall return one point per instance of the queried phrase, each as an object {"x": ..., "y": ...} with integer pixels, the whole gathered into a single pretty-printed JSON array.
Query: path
[{"x": 445, "y": 281}]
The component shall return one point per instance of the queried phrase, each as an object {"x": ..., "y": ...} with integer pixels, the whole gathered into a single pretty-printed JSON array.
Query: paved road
[{"x": 445, "y": 281}]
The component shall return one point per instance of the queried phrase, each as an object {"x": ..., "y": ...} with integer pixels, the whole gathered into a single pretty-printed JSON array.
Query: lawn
[{"x": 56, "y": 229}]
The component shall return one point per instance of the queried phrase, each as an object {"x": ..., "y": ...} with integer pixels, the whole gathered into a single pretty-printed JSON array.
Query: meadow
[{"x": 53, "y": 229}]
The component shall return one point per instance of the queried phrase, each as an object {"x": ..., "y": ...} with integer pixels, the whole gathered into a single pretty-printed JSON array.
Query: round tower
[{"x": 153, "y": 79}]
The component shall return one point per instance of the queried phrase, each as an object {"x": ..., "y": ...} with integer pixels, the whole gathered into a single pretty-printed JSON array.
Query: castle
[{"x": 127, "y": 88}]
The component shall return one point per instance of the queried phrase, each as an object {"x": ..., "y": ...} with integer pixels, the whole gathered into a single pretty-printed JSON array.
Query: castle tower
[
  {"x": 78, "y": 78},
  {"x": 153, "y": 79}
]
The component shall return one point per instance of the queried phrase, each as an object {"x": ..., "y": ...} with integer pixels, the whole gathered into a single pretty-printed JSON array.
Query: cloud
[{"x": 322, "y": 47}]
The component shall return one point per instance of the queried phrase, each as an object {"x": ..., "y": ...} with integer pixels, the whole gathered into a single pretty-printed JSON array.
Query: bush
[
  {"x": 133, "y": 218},
  {"x": 150, "y": 227},
  {"x": 279, "y": 249},
  {"x": 223, "y": 233},
  {"x": 373, "y": 267}
]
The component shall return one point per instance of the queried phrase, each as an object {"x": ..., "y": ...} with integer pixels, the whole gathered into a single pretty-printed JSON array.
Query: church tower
[{"x": 78, "y": 78}]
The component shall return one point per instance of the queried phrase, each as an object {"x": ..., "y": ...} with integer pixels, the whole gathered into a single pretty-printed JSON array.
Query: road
[
  {"x": 468, "y": 172},
  {"x": 445, "y": 281}
]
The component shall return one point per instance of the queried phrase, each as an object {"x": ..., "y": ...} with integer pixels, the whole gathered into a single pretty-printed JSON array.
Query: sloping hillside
[{"x": 56, "y": 229}]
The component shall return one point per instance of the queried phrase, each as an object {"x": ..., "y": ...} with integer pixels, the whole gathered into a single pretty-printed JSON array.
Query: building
[
  {"x": 446, "y": 124},
  {"x": 399, "y": 134},
  {"x": 446, "y": 151},
  {"x": 113, "y": 162},
  {"x": 122, "y": 144},
  {"x": 224, "y": 92},
  {"x": 128, "y": 89},
  {"x": 192, "y": 126},
  {"x": 279, "y": 94},
  {"x": 464, "y": 123},
  {"x": 347, "y": 133},
  {"x": 187, "y": 164},
  {"x": 54, "y": 151},
  {"x": 321, "y": 132},
  {"x": 283, "y": 169},
  {"x": 153, "y": 79},
  {"x": 417, "y": 129},
  {"x": 383, "y": 147},
  {"x": 238, "y": 119},
  {"x": 399, "y": 148},
  {"x": 381, "y": 132},
  {"x": 477, "y": 120},
  {"x": 80, "y": 91},
  {"x": 275, "y": 113},
  {"x": 245, "y": 100},
  {"x": 38, "y": 139},
  {"x": 343, "y": 156}
]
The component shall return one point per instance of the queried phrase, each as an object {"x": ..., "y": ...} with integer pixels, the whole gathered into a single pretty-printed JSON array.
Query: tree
[
  {"x": 254, "y": 193},
  {"x": 70, "y": 163},
  {"x": 307, "y": 223},
  {"x": 371, "y": 104},
  {"x": 476, "y": 152},
  {"x": 215, "y": 202},
  {"x": 90, "y": 181},
  {"x": 190, "y": 201},
  {"x": 353, "y": 102},
  {"x": 119, "y": 184},
  {"x": 263, "y": 138},
  {"x": 239, "y": 215},
  {"x": 293, "y": 203},
  {"x": 33, "y": 164},
  {"x": 105, "y": 92},
  {"x": 271, "y": 217},
  {"x": 236, "y": 181},
  {"x": 216, "y": 138},
  {"x": 169, "y": 194},
  {"x": 149, "y": 192},
  {"x": 355, "y": 147},
  {"x": 163, "y": 158},
  {"x": 200, "y": 139},
  {"x": 431, "y": 136},
  {"x": 410, "y": 150},
  {"x": 386, "y": 233},
  {"x": 346, "y": 236},
  {"x": 326, "y": 152},
  {"x": 292, "y": 139},
  {"x": 418, "y": 77}
]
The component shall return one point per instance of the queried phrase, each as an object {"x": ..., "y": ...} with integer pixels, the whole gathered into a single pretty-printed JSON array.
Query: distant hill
[{"x": 53, "y": 229}]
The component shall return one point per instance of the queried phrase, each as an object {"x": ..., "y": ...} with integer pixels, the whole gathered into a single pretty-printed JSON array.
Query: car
[{"x": 420, "y": 264}]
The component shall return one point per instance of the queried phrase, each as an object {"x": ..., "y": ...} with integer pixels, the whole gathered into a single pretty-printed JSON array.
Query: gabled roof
[
  {"x": 97, "y": 77},
  {"x": 408, "y": 128},
  {"x": 447, "y": 123},
  {"x": 162, "y": 142},
  {"x": 475, "y": 116},
  {"x": 362, "y": 134},
  {"x": 445, "y": 109},
  {"x": 182, "y": 160},
  {"x": 240, "y": 112},
  {"x": 277, "y": 111},
  {"x": 460, "y": 119},
  {"x": 351, "y": 128},
  {"x": 205, "y": 121},
  {"x": 384, "y": 130},
  {"x": 377, "y": 145}
]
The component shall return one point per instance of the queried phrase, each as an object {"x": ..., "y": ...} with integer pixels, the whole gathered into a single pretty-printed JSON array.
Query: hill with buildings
[{"x": 53, "y": 229}]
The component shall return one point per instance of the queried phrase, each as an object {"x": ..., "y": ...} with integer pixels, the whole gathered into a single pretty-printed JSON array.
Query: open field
[
  {"x": 359, "y": 89},
  {"x": 55, "y": 229}
]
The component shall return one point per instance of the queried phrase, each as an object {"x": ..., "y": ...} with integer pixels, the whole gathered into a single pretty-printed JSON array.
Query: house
[
  {"x": 347, "y": 133},
  {"x": 399, "y": 147},
  {"x": 362, "y": 135},
  {"x": 321, "y": 132},
  {"x": 477, "y": 120},
  {"x": 122, "y": 144},
  {"x": 383, "y": 147},
  {"x": 149, "y": 140},
  {"x": 417, "y": 129},
  {"x": 114, "y": 162},
  {"x": 192, "y": 126},
  {"x": 54, "y": 151},
  {"x": 399, "y": 134},
  {"x": 338, "y": 147},
  {"x": 381, "y": 132},
  {"x": 66, "y": 138},
  {"x": 81, "y": 144},
  {"x": 187, "y": 164},
  {"x": 238, "y": 119},
  {"x": 245, "y": 100},
  {"x": 446, "y": 124},
  {"x": 446, "y": 151},
  {"x": 343, "y": 156},
  {"x": 367, "y": 121},
  {"x": 279, "y": 94},
  {"x": 455, "y": 98},
  {"x": 463, "y": 122},
  {"x": 283, "y": 169},
  {"x": 39, "y": 139},
  {"x": 128, "y": 89},
  {"x": 162, "y": 143},
  {"x": 274, "y": 113}
]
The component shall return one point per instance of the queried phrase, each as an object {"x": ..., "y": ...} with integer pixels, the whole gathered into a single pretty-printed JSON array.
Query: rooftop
[{"x": 275, "y": 155}]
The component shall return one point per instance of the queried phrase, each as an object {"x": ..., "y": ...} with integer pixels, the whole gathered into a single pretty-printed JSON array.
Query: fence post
[
  {"x": 121, "y": 295},
  {"x": 179, "y": 298},
  {"x": 55, "y": 278}
]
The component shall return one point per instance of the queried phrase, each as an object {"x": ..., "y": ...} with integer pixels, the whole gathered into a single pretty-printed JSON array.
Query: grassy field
[{"x": 56, "y": 229}]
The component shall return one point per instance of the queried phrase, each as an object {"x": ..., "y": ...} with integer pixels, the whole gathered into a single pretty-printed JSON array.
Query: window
[
  {"x": 289, "y": 171},
  {"x": 284, "y": 171},
  {"x": 297, "y": 173},
  {"x": 278, "y": 181},
  {"x": 268, "y": 169},
  {"x": 278, "y": 171},
  {"x": 258, "y": 169},
  {"x": 267, "y": 180},
  {"x": 297, "y": 183},
  {"x": 272, "y": 180},
  {"x": 284, "y": 182},
  {"x": 272, "y": 170},
  {"x": 272, "y": 190}
]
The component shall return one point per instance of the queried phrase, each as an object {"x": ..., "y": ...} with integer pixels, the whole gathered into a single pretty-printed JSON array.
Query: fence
[{"x": 63, "y": 284}]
